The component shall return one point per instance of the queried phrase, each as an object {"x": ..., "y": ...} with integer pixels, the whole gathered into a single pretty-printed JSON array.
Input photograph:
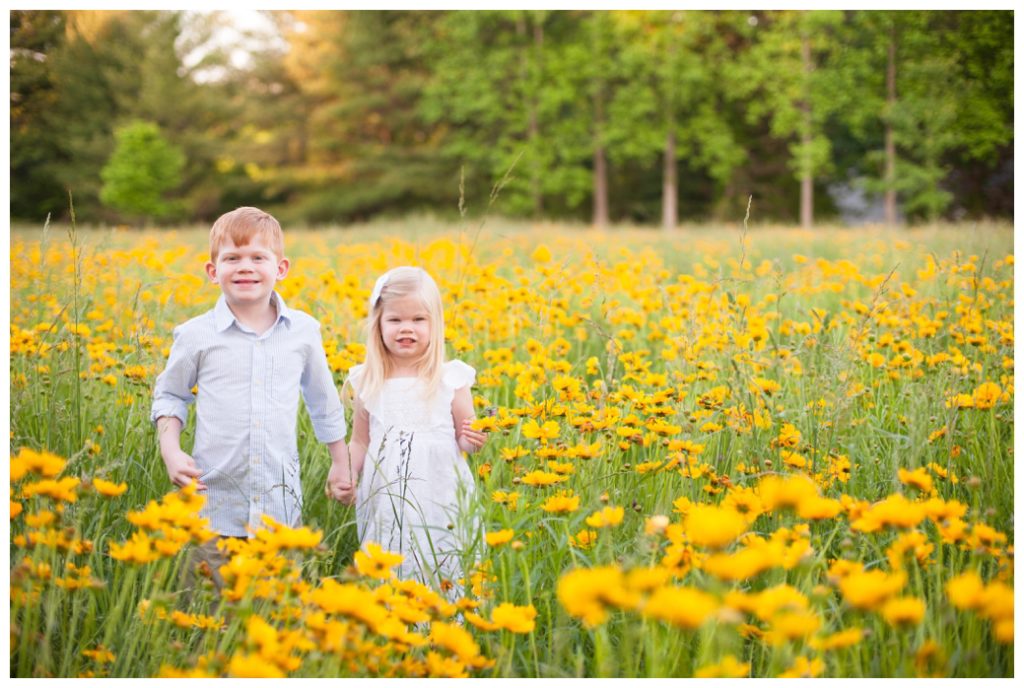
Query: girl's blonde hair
[{"x": 396, "y": 284}]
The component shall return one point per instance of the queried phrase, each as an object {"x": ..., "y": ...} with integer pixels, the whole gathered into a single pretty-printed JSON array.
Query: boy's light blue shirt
[{"x": 247, "y": 409}]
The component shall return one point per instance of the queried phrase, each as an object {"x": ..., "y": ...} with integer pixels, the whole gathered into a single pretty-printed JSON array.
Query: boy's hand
[
  {"x": 182, "y": 469},
  {"x": 340, "y": 484},
  {"x": 469, "y": 439}
]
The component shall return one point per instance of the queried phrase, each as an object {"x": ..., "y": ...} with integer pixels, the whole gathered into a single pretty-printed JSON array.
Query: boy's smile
[{"x": 247, "y": 274}]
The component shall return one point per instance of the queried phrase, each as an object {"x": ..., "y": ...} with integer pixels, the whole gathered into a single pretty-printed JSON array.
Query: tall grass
[{"x": 868, "y": 335}]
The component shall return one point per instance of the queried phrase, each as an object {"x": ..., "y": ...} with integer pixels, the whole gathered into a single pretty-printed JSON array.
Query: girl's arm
[
  {"x": 468, "y": 439},
  {"x": 360, "y": 439}
]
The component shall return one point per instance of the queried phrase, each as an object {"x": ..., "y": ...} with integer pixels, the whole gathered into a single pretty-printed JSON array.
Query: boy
[{"x": 250, "y": 356}]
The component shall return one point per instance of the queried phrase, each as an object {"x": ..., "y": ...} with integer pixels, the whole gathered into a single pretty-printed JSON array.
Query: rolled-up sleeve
[
  {"x": 321, "y": 396},
  {"x": 173, "y": 391}
]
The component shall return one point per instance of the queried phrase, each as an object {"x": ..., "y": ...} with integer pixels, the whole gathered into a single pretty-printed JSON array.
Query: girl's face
[{"x": 405, "y": 328}]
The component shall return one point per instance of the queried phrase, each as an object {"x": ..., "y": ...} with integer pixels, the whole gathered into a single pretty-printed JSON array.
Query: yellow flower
[
  {"x": 684, "y": 607},
  {"x": 375, "y": 562},
  {"x": 586, "y": 594},
  {"x": 986, "y": 395},
  {"x": 542, "y": 479},
  {"x": 109, "y": 489},
  {"x": 804, "y": 668},
  {"x": 903, "y": 611},
  {"x": 965, "y": 590},
  {"x": 960, "y": 401},
  {"x": 62, "y": 490},
  {"x": 456, "y": 640},
  {"x": 764, "y": 386},
  {"x": 100, "y": 655},
  {"x": 713, "y": 526},
  {"x": 584, "y": 539},
  {"x": 513, "y": 618},
  {"x": 253, "y": 665},
  {"x": 500, "y": 537},
  {"x": 561, "y": 503},
  {"x": 139, "y": 550},
  {"x": 30, "y": 461},
  {"x": 839, "y": 640},
  {"x": 607, "y": 517},
  {"x": 549, "y": 431},
  {"x": 869, "y": 589},
  {"x": 485, "y": 424},
  {"x": 777, "y": 492},
  {"x": 918, "y": 478},
  {"x": 541, "y": 254},
  {"x": 729, "y": 667}
]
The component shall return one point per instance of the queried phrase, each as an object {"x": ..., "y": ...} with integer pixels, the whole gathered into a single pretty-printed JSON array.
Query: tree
[
  {"x": 925, "y": 93},
  {"x": 668, "y": 103},
  {"x": 35, "y": 150},
  {"x": 369, "y": 149},
  {"x": 784, "y": 77},
  {"x": 142, "y": 168}
]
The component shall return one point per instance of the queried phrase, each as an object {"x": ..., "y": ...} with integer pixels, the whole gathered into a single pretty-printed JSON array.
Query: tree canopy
[{"x": 656, "y": 117}]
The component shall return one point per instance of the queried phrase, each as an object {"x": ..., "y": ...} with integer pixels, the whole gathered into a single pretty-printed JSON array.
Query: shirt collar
[{"x": 223, "y": 317}]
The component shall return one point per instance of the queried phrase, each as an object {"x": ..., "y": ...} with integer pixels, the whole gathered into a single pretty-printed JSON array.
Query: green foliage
[
  {"x": 35, "y": 153},
  {"x": 142, "y": 168},
  {"x": 340, "y": 116}
]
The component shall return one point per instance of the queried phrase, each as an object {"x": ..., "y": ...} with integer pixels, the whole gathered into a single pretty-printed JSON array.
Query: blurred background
[{"x": 643, "y": 117}]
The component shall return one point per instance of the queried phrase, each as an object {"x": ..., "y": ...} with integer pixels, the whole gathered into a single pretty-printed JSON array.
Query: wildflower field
[{"x": 716, "y": 453}]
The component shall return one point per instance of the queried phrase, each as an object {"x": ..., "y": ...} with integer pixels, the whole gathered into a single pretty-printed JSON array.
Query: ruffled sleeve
[
  {"x": 458, "y": 375},
  {"x": 355, "y": 377}
]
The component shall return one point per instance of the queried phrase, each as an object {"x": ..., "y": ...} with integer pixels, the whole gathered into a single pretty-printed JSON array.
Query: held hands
[
  {"x": 182, "y": 469},
  {"x": 470, "y": 440},
  {"x": 341, "y": 484}
]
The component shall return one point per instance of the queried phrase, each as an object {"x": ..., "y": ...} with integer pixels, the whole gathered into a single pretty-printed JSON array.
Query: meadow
[{"x": 719, "y": 452}]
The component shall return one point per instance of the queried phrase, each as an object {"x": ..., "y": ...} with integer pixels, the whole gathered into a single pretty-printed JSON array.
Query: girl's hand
[
  {"x": 470, "y": 440},
  {"x": 341, "y": 484}
]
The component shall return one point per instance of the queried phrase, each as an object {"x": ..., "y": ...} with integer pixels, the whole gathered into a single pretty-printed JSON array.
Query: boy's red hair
[{"x": 241, "y": 225}]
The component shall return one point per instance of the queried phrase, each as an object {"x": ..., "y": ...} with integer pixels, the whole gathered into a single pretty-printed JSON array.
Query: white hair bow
[
  {"x": 378, "y": 287},
  {"x": 382, "y": 282}
]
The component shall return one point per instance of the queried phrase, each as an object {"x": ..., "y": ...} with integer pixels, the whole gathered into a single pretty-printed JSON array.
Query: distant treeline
[{"x": 654, "y": 117}]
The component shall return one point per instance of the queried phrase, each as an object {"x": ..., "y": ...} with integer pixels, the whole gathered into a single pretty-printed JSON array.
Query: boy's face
[
  {"x": 247, "y": 274},
  {"x": 405, "y": 327}
]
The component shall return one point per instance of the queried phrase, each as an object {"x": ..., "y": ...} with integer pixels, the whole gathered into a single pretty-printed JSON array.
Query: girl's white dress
[{"x": 415, "y": 491}]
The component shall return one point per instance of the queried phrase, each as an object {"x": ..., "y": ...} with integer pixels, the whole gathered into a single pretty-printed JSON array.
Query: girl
[{"x": 412, "y": 415}]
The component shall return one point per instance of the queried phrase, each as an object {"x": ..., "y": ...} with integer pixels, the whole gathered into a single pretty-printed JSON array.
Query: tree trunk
[
  {"x": 530, "y": 86},
  {"x": 669, "y": 187},
  {"x": 600, "y": 164},
  {"x": 807, "y": 177},
  {"x": 890, "y": 139},
  {"x": 600, "y": 212},
  {"x": 600, "y": 188}
]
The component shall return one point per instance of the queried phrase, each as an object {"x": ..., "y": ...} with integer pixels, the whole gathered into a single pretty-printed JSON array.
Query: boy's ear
[
  {"x": 282, "y": 268},
  {"x": 211, "y": 271}
]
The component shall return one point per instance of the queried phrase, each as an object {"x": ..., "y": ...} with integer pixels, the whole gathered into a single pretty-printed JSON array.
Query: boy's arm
[
  {"x": 181, "y": 468},
  {"x": 468, "y": 439},
  {"x": 171, "y": 398},
  {"x": 321, "y": 396}
]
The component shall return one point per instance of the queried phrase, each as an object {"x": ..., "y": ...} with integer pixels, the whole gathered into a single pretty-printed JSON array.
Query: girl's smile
[{"x": 405, "y": 327}]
